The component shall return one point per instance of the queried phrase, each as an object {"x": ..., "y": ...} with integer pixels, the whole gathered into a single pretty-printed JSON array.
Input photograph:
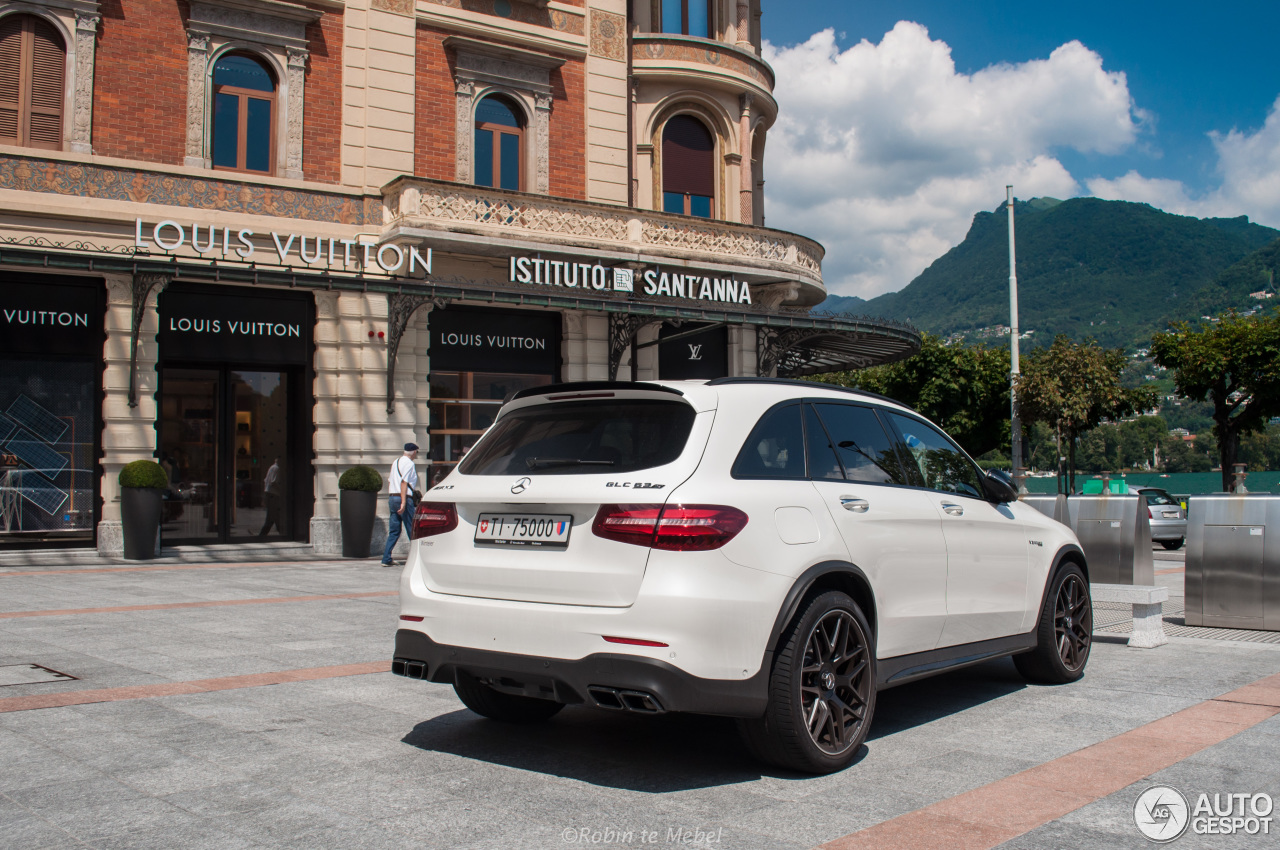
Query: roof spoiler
[{"x": 590, "y": 387}]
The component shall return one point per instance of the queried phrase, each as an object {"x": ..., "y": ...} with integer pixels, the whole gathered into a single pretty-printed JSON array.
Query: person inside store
[
  {"x": 402, "y": 486},
  {"x": 271, "y": 486}
]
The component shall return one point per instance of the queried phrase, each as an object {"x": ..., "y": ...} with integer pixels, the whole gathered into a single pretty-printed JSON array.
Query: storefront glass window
[
  {"x": 463, "y": 405},
  {"x": 47, "y": 449}
]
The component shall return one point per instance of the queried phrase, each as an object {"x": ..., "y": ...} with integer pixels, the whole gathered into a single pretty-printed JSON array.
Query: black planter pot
[
  {"x": 357, "y": 509},
  {"x": 140, "y": 509}
]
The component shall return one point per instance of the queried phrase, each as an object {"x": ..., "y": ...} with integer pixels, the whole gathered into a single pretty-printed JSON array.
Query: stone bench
[{"x": 1148, "y": 614}]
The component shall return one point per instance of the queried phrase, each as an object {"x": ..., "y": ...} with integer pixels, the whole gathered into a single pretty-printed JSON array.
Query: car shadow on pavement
[
  {"x": 918, "y": 703},
  {"x": 677, "y": 752}
]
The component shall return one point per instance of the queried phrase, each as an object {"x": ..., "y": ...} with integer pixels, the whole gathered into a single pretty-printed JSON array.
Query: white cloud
[
  {"x": 1248, "y": 168},
  {"x": 883, "y": 152}
]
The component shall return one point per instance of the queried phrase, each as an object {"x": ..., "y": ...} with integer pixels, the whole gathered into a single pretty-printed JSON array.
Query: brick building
[{"x": 240, "y": 236}]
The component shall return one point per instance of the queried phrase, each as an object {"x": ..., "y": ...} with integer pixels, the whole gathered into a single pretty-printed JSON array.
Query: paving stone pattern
[{"x": 384, "y": 762}]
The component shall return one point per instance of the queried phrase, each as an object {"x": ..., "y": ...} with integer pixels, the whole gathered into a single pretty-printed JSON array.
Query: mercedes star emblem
[{"x": 520, "y": 486}]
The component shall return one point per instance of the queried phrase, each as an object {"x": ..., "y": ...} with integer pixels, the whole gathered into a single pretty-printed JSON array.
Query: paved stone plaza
[{"x": 233, "y": 705}]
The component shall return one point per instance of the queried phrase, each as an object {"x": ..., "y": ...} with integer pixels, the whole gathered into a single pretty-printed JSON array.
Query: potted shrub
[
  {"x": 142, "y": 486},
  {"x": 359, "y": 488}
]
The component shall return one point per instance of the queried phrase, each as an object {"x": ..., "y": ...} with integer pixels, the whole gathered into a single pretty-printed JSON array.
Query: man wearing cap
[{"x": 402, "y": 483}]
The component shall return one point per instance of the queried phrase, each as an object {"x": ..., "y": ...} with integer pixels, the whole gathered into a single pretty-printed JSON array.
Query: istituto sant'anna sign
[
  {"x": 650, "y": 281},
  {"x": 331, "y": 254}
]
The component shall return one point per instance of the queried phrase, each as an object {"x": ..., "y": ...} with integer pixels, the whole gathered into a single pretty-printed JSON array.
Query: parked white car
[{"x": 771, "y": 550}]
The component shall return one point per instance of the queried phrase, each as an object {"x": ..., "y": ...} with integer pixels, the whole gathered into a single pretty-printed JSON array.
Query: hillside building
[{"x": 262, "y": 241}]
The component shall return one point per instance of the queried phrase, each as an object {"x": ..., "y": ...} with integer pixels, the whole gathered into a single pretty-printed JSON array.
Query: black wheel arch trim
[
  {"x": 1077, "y": 558},
  {"x": 800, "y": 588}
]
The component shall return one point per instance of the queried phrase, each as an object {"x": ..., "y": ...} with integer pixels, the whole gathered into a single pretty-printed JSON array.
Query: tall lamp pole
[{"x": 1015, "y": 424}]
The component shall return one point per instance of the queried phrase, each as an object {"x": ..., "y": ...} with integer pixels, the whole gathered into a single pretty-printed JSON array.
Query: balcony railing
[{"x": 411, "y": 202}]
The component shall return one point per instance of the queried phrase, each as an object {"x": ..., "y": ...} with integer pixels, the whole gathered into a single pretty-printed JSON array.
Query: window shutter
[
  {"x": 688, "y": 157},
  {"x": 10, "y": 76},
  {"x": 48, "y": 70}
]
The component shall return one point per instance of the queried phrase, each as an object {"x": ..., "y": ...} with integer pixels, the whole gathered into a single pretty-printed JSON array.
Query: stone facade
[{"x": 371, "y": 93}]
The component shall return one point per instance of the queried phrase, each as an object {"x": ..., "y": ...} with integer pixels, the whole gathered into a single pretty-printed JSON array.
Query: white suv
[{"x": 770, "y": 550}]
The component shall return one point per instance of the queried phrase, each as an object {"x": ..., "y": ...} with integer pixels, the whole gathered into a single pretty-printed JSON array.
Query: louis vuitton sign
[{"x": 287, "y": 249}]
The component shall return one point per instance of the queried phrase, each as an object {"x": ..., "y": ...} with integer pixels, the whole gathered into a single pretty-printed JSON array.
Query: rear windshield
[
  {"x": 583, "y": 437},
  {"x": 1158, "y": 497}
]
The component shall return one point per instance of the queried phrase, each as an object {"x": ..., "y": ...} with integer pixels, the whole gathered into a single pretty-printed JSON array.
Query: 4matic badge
[{"x": 636, "y": 485}]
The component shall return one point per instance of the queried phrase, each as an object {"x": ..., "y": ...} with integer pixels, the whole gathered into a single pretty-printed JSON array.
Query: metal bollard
[
  {"x": 1115, "y": 533},
  {"x": 1054, "y": 507},
  {"x": 1233, "y": 561}
]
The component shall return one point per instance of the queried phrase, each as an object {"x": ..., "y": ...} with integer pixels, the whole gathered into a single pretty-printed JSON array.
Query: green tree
[
  {"x": 1235, "y": 364},
  {"x": 1261, "y": 450},
  {"x": 1073, "y": 387},
  {"x": 1182, "y": 456},
  {"x": 962, "y": 388}
]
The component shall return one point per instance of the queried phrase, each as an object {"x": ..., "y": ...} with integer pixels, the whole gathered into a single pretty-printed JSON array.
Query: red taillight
[
  {"x": 433, "y": 518},
  {"x": 678, "y": 528},
  {"x": 411, "y": 618},
  {"x": 1150, "y": 515}
]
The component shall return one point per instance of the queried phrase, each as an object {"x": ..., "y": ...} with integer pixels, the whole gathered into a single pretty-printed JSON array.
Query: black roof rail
[
  {"x": 591, "y": 386},
  {"x": 794, "y": 382}
]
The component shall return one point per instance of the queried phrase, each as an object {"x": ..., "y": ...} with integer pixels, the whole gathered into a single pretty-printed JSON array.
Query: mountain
[
  {"x": 842, "y": 304},
  {"x": 1112, "y": 270}
]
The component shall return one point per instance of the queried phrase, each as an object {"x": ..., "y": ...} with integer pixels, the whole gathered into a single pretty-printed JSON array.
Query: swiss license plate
[
  {"x": 1170, "y": 514},
  {"x": 524, "y": 530}
]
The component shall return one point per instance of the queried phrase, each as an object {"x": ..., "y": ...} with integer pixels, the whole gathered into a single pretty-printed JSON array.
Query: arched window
[
  {"x": 33, "y": 65},
  {"x": 688, "y": 167},
  {"x": 244, "y": 106},
  {"x": 687, "y": 17},
  {"x": 499, "y": 143}
]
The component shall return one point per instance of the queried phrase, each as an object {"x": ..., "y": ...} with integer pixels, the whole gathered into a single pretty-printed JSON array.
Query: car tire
[
  {"x": 1173, "y": 544},
  {"x": 822, "y": 689},
  {"x": 1065, "y": 633},
  {"x": 495, "y": 705}
]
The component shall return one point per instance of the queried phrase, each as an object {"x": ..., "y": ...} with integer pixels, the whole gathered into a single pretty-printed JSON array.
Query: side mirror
[{"x": 999, "y": 487}]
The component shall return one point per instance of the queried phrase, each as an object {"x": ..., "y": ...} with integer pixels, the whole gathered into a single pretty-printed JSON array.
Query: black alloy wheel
[
  {"x": 1073, "y": 622},
  {"x": 1173, "y": 544},
  {"x": 834, "y": 681},
  {"x": 1064, "y": 634},
  {"x": 822, "y": 689}
]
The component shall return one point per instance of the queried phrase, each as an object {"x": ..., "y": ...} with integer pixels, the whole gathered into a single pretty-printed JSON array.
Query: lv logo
[{"x": 695, "y": 351}]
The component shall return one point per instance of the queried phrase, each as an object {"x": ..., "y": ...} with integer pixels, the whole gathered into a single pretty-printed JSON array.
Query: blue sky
[{"x": 1190, "y": 74}]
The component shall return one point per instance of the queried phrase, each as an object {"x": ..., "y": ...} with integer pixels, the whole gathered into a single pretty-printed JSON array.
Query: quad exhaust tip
[
  {"x": 408, "y": 667},
  {"x": 618, "y": 699}
]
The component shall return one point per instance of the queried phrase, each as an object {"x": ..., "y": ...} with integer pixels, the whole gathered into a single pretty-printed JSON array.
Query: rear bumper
[
  {"x": 571, "y": 681},
  {"x": 1168, "y": 529}
]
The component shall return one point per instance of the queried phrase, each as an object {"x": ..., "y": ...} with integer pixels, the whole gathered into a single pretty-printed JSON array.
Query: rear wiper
[{"x": 544, "y": 462}]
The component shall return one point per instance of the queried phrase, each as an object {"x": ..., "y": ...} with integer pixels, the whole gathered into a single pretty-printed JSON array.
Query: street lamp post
[{"x": 1015, "y": 425}]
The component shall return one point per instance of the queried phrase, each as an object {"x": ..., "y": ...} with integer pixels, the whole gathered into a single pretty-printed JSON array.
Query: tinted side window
[
  {"x": 775, "y": 448},
  {"x": 864, "y": 448},
  {"x": 576, "y": 438},
  {"x": 940, "y": 463},
  {"x": 823, "y": 463}
]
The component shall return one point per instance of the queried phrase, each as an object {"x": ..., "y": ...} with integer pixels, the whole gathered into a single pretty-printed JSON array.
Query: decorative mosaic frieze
[
  {"x": 398, "y": 7},
  {"x": 703, "y": 52},
  {"x": 33, "y": 174},
  {"x": 608, "y": 35}
]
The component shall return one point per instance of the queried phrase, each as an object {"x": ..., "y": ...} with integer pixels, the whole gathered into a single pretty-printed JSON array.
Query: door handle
[
  {"x": 858, "y": 506},
  {"x": 953, "y": 509}
]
